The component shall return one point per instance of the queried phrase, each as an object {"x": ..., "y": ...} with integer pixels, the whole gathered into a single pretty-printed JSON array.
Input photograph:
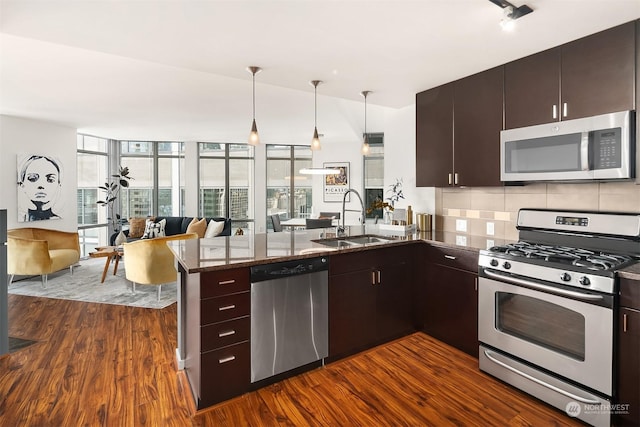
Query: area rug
[{"x": 84, "y": 285}]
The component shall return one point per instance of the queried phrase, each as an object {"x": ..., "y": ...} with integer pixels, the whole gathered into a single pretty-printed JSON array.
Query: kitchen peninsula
[{"x": 372, "y": 289}]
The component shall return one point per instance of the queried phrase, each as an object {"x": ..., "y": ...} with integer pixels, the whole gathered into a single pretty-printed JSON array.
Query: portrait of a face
[{"x": 39, "y": 180}]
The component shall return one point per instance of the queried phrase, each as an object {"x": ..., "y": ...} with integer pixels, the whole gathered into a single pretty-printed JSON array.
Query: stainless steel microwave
[{"x": 592, "y": 148}]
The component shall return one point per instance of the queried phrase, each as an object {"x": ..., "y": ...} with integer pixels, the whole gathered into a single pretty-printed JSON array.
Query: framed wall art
[
  {"x": 336, "y": 185},
  {"x": 39, "y": 187}
]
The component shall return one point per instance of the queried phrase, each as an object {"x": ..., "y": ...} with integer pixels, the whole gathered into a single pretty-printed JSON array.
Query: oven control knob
[
  {"x": 585, "y": 281},
  {"x": 565, "y": 277},
  {"x": 507, "y": 265},
  {"x": 494, "y": 263}
]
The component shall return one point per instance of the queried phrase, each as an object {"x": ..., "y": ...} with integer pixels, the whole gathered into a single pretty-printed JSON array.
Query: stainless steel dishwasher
[{"x": 289, "y": 315}]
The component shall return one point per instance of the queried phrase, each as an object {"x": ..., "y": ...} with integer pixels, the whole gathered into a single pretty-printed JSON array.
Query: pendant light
[
  {"x": 365, "y": 140},
  {"x": 254, "y": 138},
  {"x": 315, "y": 141}
]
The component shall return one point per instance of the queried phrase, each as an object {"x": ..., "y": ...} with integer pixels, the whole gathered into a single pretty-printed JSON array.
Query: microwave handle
[{"x": 584, "y": 152}]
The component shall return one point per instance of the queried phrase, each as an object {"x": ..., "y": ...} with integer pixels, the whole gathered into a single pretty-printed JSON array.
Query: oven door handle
[
  {"x": 565, "y": 393},
  {"x": 538, "y": 286}
]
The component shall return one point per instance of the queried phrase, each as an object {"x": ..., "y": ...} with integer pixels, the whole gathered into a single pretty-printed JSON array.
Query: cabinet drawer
[
  {"x": 214, "y": 310},
  {"x": 223, "y": 282},
  {"x": 453, "y": 257},
  {"x": 223, "y": 334},
  {"x": 630, "y": 293},
  {"x": 226, "y": 373}
]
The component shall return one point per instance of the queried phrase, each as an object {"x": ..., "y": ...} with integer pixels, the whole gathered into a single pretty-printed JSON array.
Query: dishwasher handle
[{"x": 278, "y": 270}]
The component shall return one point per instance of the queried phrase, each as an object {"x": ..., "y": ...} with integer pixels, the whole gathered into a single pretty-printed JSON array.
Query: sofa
[
  {"x": 177, "y": 225},
  {"x": 39, "y": 251}
]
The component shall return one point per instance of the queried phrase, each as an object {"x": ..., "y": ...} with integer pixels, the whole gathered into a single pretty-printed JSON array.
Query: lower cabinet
[
  {"x": 369, "y": 298},
  {"x": 449, "y": 297},
  {"x": 218, "y": 361},
  {"x": 627, "y": 353}
]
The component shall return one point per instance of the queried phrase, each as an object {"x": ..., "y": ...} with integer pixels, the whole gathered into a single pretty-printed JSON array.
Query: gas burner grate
[{"x": 585, "y": 258}]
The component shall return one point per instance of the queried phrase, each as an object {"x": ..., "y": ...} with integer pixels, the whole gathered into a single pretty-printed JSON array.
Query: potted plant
[{"x": 111, "y": 190}]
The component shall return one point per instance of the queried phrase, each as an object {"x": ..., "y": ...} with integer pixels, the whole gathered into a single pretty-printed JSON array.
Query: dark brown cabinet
[
  {"x": 434, "y": 136},
  {"x": 458, "y": 132},
  {"x": 369, "y": 299},
  {"x": 587, "y": 77},
  {"x": 532, "y": 89},
  {"x": 449, "y": 297},
  {"x": 628, "y": 354},
  {"x": 477, "y": 122},
  {"x": 218, "y": 361}
]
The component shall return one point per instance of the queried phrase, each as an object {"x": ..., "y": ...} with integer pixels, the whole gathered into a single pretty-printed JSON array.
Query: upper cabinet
[
  {"x": 458, "y": 132},
  {"x": 434, "y": 136},
  {"x": 587, "y": 77},
  {"x": 477, "y": 122}
]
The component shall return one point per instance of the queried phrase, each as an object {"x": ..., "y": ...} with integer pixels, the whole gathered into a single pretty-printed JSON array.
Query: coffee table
[{"x": 109, "y": 252}]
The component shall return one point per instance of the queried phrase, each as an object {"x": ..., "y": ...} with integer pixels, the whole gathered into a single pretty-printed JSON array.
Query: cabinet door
[
  {"x": 352, "y": 312},
  {"x": 628, "y": 354},
  {"x": 394, "y": 301},
  {"x": 477, "y": 115},
  {"x": 598, "y": 73},
  {"x": 532, "y": 89},
  {"x": 451, "y": 307},
  {"x": 434, "y": 136}
]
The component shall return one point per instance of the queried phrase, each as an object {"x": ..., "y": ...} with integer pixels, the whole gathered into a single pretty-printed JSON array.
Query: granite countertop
[
  {"x": 631, "y": 272},
  {"x": 219, "y": 253}
]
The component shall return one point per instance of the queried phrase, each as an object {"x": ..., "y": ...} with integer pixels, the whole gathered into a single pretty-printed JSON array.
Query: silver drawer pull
[
  {"x": 227, "y": 359},
  {"x": 450, "y": 257},
  {"x": 227, "y": 282},
  {"x": 227, "y": 307},
  {"x": 226, "y": 334}
]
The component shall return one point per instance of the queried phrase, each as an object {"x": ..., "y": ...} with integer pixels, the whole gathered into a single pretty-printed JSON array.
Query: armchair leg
[
  {"x": 44, "y": 280},
  {"x": 159, "y": 290},
  {"x": 133, "y": 287},
  {"x": 10, "y": 278},
  {"x": 71, "y": 268}
]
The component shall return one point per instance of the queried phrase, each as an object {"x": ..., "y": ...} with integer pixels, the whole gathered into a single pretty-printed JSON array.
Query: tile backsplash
[{"x": 495, "y": 209}]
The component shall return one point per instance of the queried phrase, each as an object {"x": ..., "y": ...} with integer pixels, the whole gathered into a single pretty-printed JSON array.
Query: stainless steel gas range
[{"x": 546, "y": 307}]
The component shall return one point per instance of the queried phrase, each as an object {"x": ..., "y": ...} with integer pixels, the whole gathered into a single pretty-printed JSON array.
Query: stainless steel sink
[
  {"x": 335, "y": 243},
  {"x": 360, "y": 240},
  {"x": 347, "y": 242}
]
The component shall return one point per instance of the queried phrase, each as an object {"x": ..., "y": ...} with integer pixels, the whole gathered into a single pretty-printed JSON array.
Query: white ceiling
[{"x": 176, "y": 69}]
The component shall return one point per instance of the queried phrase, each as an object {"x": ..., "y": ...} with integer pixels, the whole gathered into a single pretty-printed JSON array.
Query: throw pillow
[
  {"x": 136, "y": 227},
  {"x": 154, "y": 229},
  {"x": 214, "y": 228},
  {"x": 198, "y": 227}
]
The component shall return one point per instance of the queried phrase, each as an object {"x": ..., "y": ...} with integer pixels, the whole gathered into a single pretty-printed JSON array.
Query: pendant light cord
[
  {"x": 365, "y": 116},
  {"x": 315, "y": 105},
  {"x": 254, "y": 95}
]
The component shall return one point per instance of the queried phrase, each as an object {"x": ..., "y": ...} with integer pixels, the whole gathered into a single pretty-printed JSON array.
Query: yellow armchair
[
  {"x": 151, "y": 262},
  {"x": 39, "y": 251}
]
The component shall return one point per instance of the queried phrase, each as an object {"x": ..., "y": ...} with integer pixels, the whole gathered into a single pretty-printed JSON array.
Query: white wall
[
  {"x": 20, "y": 136},
  {"x": 400, "y": 160}
]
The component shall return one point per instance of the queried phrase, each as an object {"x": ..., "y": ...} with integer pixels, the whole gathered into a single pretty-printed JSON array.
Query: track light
[
  {"x": 511, "y": 13},
  {"x": 315, "y": 141},
  {"x": 254, "y": 138},
  {"x": 365, "y": 140}
]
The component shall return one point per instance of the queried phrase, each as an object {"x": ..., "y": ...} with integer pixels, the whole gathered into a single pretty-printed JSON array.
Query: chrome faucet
[{"x": 341, "y": 229}]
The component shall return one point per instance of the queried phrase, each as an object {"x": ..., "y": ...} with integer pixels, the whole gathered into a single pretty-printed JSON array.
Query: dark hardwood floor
[{"x": 108, "y": 365}]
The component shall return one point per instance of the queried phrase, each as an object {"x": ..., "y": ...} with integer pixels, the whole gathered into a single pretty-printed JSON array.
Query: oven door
[{"x": 564, "y": 334}]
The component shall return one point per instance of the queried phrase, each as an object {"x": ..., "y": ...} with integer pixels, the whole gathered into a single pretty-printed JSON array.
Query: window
[
  {"x": 226, "y": 177},
  {"x": 374, "y": 173},
  {"x": 289, "y": 194},
  {"x": 157, "y": 184},
  {"x": 92, "y": 167}
]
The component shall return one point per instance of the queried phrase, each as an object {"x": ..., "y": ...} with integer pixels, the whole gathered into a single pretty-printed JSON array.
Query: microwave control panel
[{"x": 606, "y": 144}]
